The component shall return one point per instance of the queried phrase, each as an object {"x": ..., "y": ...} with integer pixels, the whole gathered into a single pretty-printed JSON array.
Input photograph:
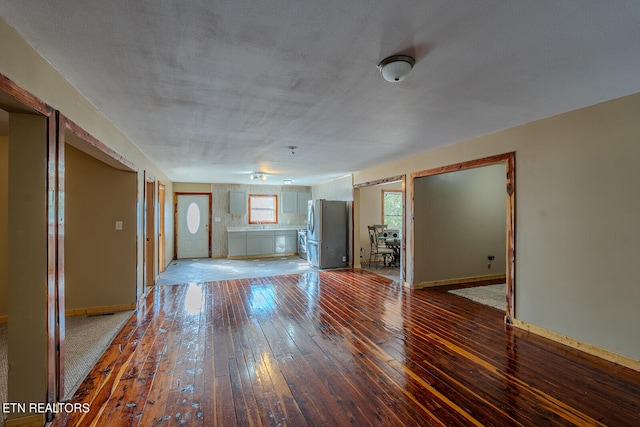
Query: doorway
[
  {"x": 371, "y": 208},
  {"x": 100, "y": 218},
  {"x": 30, "y": 220},
  {"x": 193, "y": 225},
  {"x": 423, "y": 237}
]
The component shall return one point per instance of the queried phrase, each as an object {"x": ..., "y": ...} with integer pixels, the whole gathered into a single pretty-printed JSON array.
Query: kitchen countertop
[{"x": 267, "y": 228}]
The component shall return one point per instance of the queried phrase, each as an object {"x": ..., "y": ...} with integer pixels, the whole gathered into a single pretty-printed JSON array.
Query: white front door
[{"x": 193, "y": 226}]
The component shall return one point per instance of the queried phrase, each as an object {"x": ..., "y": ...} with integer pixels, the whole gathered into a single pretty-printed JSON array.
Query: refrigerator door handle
[{"x": 311, "y": 217}]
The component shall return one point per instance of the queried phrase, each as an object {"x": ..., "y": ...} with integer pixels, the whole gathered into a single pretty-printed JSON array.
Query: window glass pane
[
  {"x": 263, "y": 209},
  {"x": 193, "y": 218},
  {"x": 392, "y": 215}
]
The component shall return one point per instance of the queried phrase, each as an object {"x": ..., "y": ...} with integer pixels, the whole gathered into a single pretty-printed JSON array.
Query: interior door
[
  {"x": 161, "y": 239},
  {"x": 149, "y": 276},
  {"x": 193, "y": 226}
]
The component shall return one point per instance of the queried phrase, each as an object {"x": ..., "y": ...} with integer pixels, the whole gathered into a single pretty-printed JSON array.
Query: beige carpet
[
  {"x": 4, "y": 368},
  {"x": 86, "y": 339},
  {"x": 491, "y": 295}
]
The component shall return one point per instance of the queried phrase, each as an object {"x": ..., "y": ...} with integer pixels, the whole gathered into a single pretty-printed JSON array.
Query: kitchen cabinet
[
  {"x": 237, "y": 243},
  {"x": 237, "y": 202},
  {"x": 260, "y": 243},
  {"x": 295, "y": 202},
  {"x": 303, "y": 199},
  {"x": 289, "y": 202}
]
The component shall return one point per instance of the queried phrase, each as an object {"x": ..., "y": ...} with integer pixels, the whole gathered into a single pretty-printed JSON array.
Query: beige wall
[
  {"x": 189, "y": 187},
  {"x": 100, "y": 261},
  {"x": 578, "y": 237},
  {"x": 28, "y": 274},
  {"x": 4, "y": 223},
  {"x": 460, "y": 219}
]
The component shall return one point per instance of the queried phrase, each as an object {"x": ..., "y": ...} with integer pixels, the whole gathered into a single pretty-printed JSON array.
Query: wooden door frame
[
  {"x": 175, "y": 220},
  {"x": 149, "y": 230},
  {"x": 403, "y": 252},
  {"x": 509, "y": 159},
  {"x": 161, "y": 229}
]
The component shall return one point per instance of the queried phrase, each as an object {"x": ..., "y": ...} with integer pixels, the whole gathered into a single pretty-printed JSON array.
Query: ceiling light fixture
[
  {"x": 396, "y": 68},
  {"x": 287, "y": 182},
  {"x": 258, "y": 175},
  {"x": 292, "y": 148}
]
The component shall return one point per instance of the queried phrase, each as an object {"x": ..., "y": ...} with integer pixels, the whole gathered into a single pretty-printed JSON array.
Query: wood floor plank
[{"x": 341, "y": 348}]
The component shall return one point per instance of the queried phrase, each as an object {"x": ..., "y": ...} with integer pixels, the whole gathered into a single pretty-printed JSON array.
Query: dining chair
[{"x": 378, "y": 251}]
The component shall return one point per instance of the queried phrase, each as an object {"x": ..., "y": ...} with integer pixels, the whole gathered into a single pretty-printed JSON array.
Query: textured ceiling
[{"x": 212, "y": 90}]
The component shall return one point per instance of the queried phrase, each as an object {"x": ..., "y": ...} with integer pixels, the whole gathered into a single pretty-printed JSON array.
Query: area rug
[{"x": 491, "y": 295}]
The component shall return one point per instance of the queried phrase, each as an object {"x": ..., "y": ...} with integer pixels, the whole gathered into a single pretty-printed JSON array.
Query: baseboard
[
  {"x": 4, "y": 319},
  {"x": 460, "y": 280},
  {"x": 99, "y": 310},
  {"x": 579, "y": 345},
  {"x": 36, "y": 420},
  {"x": 219, "y": 256},
  {"x": 261, "y": 256}
]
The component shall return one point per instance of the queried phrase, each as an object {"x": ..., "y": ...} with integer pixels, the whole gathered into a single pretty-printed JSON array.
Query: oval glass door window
[{"x": 193, "y": 218}]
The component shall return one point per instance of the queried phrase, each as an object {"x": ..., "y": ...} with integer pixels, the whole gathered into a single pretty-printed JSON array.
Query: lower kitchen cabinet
[
  {"x": 260, "y": 243},
  {"x": 237, "y": 242}
]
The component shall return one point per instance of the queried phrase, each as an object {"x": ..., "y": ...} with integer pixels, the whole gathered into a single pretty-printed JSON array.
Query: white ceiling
[{"x": 213, "y": 90}]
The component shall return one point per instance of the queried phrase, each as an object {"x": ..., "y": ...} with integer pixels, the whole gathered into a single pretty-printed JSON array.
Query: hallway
[{"x": 341, "y": 348}]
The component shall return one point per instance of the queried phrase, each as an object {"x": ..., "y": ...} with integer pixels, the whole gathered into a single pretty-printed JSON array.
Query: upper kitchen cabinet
[
  {"x": 237, "y": 202},
  {"x": 289, "y": 202},
  {"x": 303, "y": 202},
  {"x": 295, "y": 202}
]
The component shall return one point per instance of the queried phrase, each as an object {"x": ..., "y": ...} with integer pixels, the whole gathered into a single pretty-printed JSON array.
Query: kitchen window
[
  {"x": 263, "y": 209},
  {"x": 392, "y": 209}
]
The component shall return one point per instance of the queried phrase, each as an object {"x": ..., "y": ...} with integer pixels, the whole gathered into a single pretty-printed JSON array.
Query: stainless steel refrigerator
[{"x": 327, "y": 233}]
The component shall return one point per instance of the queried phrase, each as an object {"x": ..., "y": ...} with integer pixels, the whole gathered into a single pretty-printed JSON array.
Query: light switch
[
  {"x": 217, "y": 219},
  {"x": 118, "y": 225}
]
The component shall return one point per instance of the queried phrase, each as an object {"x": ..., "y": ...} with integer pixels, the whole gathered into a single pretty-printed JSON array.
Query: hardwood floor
[{"x": 341, "y": 348}]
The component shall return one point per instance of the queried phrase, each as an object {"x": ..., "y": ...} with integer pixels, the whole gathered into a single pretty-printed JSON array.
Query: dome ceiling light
[{"x": 396, "y": 68}]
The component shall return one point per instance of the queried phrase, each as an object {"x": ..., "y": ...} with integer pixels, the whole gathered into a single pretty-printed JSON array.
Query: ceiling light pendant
[{"x": 396, "y": 68}]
